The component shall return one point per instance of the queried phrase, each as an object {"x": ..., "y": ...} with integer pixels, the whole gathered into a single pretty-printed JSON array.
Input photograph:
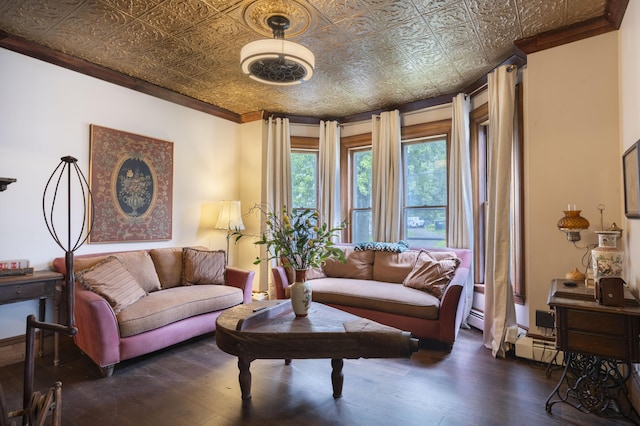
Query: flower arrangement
[{"x": 297, "y": 239}]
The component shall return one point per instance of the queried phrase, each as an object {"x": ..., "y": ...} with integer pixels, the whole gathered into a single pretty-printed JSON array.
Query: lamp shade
[
  {"x": 230, "y": 216},
  {"x": 572, "y": 223}
]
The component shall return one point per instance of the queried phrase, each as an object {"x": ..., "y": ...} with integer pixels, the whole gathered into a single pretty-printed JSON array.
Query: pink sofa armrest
[
  {"x": 280, "y": 281},
  {"x": 241, "y": 279},
  {"x": 98, "y": 334}
]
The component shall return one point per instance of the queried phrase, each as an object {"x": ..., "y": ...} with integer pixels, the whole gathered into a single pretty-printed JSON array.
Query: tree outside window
[
  {"x": 425, "y": 192},
  {"x": 361, "y": 221},
  {"x": 304, "y": 180}
]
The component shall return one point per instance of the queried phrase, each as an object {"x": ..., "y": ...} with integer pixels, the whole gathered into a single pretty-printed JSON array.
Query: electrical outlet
[{"x": 545, "y": 319}]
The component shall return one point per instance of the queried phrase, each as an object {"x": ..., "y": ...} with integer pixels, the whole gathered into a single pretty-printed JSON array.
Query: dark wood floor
[{"x": 197, "y": 384}]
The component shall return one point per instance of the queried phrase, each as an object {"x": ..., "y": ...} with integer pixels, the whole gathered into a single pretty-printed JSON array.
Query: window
[
  {"x": 304, "y": 179},
  {"x": 422, "y": 144},
  {"x": 480, "y": 128},
  {"x": 361, "y": 186},
  {"x": 424, "y": 166},
  {"x": 304, "y": 172},
  {"x": 478, "y": 139}
]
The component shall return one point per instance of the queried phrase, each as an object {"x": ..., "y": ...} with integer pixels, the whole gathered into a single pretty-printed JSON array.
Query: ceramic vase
[
  {"x": 301, "y": 294},
  {"x": 606, "y": 259}
]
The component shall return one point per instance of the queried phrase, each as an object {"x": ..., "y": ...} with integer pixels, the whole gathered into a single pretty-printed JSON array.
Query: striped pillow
[
  {"x": 111, "y": 280},
  {"x": 203, "y": 266}
]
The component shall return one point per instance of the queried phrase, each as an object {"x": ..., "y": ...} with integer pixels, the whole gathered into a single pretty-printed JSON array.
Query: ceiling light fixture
[{"x": 277, "y": 61}]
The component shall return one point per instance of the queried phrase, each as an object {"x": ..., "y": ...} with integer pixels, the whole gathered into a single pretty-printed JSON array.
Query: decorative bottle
[
  {"x": 606, "y": 259},
  {"x": 301, "y": 294}
]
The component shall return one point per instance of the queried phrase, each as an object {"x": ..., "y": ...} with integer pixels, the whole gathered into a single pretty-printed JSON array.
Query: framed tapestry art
[{"x": 131, "y": 180}]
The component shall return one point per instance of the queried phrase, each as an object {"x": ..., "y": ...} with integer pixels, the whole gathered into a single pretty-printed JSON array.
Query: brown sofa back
[
  {"x": 393, "y": 267},
  {"x": 359, "y": 265}
]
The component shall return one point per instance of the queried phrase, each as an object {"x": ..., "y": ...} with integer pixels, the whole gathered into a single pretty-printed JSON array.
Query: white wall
[
  {"x": 45, "y": 113},
  {"x": 572, "y": 154},
  {"x": 629, "y": 48}
]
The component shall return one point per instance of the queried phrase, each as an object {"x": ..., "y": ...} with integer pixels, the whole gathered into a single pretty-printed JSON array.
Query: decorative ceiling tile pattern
[{"x": 370, "y": 54}]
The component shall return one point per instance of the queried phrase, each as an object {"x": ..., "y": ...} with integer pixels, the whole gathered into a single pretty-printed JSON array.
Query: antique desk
[
  {"x": 39, "y": 285},
  {"x": 600, "y": 343}
]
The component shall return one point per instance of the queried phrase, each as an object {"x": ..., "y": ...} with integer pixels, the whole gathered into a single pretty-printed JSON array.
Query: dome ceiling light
[{"x": 277, "y": 61}]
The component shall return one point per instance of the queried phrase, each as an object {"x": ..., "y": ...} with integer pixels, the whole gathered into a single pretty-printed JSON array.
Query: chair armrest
[
  {"x": 98, "y": 333},
  {"x": 241, "y": 279},
  {"x": 280, "y": 281}
]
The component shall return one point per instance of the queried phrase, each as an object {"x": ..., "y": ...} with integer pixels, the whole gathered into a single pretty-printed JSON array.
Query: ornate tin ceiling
[{"x": 370, "y": 54}]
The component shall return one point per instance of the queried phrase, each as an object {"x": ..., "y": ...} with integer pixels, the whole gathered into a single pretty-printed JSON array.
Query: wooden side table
[
  {"x": 600, "y": 343},
  {"x": 40, "y": 285}
]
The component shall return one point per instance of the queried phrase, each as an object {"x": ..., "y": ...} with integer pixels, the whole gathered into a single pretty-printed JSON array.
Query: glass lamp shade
[
  {"x": 572, "y": 223},
  {"x": 230, "y": 216},
  {"x": 277, "y": 61}
]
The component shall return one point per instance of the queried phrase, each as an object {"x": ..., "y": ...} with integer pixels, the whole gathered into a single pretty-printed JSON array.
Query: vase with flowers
[{"x": 299, "y": 242}]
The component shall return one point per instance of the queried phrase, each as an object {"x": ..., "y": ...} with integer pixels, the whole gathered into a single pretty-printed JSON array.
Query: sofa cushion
[
  {"x": 432, "y": 275},
  {"x": 168, "y": 262},
  {"x": 377, "y": 296},
  {"x": 203, "y": 266},
  {"x": 138, "y": 262},
  {"x": 111, "y": 280},
  {"x": 393, "y": 267},
  {"x": 174, "y": 304},
  {"x": 359, "y": 265}
]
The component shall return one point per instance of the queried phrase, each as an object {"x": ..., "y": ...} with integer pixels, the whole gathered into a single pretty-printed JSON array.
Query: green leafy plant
[{"x": 297, "y": 239}]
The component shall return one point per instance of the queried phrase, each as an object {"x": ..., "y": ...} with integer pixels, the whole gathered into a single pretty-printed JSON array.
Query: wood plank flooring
[{"x": 197, "y": 384}]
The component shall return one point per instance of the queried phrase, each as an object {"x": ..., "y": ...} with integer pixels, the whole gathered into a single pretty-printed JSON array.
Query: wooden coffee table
[{"x": 270, "y": 330}]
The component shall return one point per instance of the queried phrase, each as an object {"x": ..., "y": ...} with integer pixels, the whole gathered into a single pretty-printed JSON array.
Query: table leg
[
  {"x": 245, "y": 377},
  {"x": 41, "y": 313},
  {"x": 337, "y": 378},
  {"x": 594, "y": 385}
]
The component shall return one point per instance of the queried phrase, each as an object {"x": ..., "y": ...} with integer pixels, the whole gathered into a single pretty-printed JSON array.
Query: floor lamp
[{"x": 229, "y": 220}]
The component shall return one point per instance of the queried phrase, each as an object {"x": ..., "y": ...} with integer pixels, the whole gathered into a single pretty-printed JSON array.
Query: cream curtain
[
  {"x": 500, "y": 327},
  {"x": 460, "y": 191},
  {"x": 329, "y": 173},
  {"x": 278, "y": 163},
  {"x": 278, "y": 185},
  {"x": 387, "y": 176}
]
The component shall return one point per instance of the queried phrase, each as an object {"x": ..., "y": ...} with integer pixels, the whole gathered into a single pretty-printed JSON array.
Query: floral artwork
[{"x": 131, "y": 180}]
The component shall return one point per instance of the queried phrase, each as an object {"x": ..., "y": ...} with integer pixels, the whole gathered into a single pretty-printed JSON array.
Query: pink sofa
[
  {"x": 167, "y": 315},
  {"x": 373, "y": 289}
]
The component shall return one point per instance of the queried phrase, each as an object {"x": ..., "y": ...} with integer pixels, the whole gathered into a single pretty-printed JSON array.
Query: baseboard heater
[{"x": 476, "y": 319}]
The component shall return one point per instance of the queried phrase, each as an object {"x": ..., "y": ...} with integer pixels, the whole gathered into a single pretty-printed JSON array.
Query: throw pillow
[
  {"x": 111, "y": 280},
  {"x": 141, "y": 266},
  {"x": 431, "y": 275},
  {"x": 359, "y": 265},
  {"x": 398, "y": 247},
  {"x": 168, "y": 263},
  {"x": 203, "y": 266}
]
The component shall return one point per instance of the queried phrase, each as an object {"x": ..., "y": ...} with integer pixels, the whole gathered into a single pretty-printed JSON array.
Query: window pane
[
  {"x": 426, "y": 227},
  {"x": 303, "y": 180},
  {"x": 425, "y": 192},
  {"x": 362, "y": 180},
  {"x": 361, "y": 225},
  {"x": 425, "y": 173}
]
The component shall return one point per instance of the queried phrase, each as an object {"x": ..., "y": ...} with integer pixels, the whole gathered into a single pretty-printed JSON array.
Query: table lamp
[{"x": 229, "y": 219}]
